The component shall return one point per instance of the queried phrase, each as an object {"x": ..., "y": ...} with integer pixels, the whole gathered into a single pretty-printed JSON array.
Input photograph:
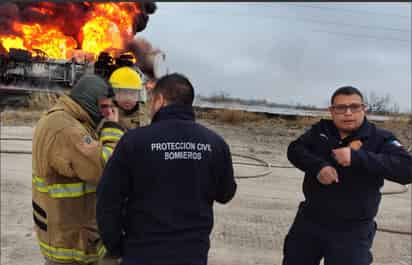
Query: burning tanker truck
[{"x": 45, "y": 44}]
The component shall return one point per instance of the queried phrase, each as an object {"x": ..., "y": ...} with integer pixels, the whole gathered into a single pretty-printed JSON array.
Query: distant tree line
[
  {"x": 377, "y": 104},
  {"x": 381, "y": 104}
]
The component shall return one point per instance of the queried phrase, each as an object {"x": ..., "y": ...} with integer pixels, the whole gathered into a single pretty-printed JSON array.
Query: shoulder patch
[
  {"x": 396, "y": 143},
  {"x": 87, "y": 139},
  {"x": 88, "y": 146}
]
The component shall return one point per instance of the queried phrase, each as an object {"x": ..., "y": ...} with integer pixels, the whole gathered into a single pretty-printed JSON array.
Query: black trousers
[{"x": 307, "y": 242}]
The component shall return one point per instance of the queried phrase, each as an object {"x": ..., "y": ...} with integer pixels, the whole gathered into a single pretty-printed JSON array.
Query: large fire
[{"x": 59, "y": 28}]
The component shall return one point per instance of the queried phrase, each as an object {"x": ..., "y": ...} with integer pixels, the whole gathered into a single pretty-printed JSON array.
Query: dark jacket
[
  {"x": 170, "y": 173},
  {"x": 357, "y": 195}
]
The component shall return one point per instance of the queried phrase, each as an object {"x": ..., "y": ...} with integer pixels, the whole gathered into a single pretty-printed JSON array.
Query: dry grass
[
  {"x": 34, "y": 106},
  {"x": 20, "y": 117},
  {"x": 229, "y": 116},
  {"x": 301, "y": 122},
  {"x": 401, "y": 126},
  {"x": 41, "y": 101},
  {"x": 238, "y": 117}
]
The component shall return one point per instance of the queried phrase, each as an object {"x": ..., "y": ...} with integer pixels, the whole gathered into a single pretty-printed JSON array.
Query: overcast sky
[{"x": 288, "y": 52}]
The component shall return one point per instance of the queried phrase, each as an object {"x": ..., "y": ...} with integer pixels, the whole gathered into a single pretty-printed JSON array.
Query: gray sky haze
[{"x": 288, "y": 52}]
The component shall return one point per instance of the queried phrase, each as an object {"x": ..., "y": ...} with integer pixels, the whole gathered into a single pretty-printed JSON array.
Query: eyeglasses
[{"x": 341, "y": 109}]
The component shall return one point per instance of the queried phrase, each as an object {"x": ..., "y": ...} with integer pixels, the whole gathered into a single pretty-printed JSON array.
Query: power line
[
  {"x": 323, "y": 22},
  {"x": 299, "y": 20},
  {"x": 310, "y": 19},
  {"x": 360, "y": 36},
  {"x": 355, "y": 25},
  {"x": 355, "y": 11},
  {"x": 341, "y": 33}
]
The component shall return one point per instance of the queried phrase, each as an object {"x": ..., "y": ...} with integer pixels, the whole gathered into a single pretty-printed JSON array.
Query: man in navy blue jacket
[
  {"x": 345, "y": 161},
  {"x": 155, "y": 199}
]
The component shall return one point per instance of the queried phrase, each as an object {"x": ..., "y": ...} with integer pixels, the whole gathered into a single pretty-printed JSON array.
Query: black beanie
[{"x": 87, "y": 91}]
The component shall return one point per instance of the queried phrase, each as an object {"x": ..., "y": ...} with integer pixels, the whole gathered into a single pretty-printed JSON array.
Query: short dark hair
[
  {"x": 176, "y": 89},
  {"x": 346, "y": 90}
]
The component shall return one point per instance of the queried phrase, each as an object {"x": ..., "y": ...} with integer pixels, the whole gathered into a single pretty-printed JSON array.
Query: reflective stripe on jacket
[
  {"x": 68, "y": 255},
  {"x": 68, "y": 190}
]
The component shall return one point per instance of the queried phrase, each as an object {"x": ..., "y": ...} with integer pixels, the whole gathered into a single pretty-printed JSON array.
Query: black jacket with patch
[
  {"x": 357, "y": 195},
  {"x": 155, "y": 199}
]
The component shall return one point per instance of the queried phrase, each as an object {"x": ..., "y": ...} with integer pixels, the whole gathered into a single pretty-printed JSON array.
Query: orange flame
[
  {"x": 107, "y": 26},
  {"x": 100, "y": 34},
  {"x": 49, "y": 40}
]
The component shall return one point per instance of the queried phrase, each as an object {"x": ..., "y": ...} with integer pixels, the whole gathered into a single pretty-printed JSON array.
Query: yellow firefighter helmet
[
  {"x": 127, "y": 84},
  {"x": 125, "y": 78}
]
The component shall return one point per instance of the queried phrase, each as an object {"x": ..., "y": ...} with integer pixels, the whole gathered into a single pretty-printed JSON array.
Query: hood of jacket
[
  {"x": 87, "y": 91},
  {"x": 70, "y": 106}
]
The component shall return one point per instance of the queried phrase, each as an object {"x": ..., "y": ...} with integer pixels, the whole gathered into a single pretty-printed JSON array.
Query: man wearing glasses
[{"x": 345, "y": 161}]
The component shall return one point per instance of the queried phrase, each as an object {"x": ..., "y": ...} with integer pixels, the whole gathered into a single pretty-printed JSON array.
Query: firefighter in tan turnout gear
[
  {"x": 130, "y": 98},
  {"x": 68, "y": 159}
]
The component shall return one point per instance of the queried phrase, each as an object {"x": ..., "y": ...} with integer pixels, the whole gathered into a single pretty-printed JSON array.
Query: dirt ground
[{"x": 248, "y": 231}]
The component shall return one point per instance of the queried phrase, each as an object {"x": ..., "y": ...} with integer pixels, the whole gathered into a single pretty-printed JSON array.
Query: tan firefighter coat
[
  {"x": 136, "y": 119},
  {"x": 68, "y": 160}
]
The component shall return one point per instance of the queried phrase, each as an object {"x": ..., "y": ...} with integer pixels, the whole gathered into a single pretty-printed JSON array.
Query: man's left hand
[{"x": 342, "y": 156}]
